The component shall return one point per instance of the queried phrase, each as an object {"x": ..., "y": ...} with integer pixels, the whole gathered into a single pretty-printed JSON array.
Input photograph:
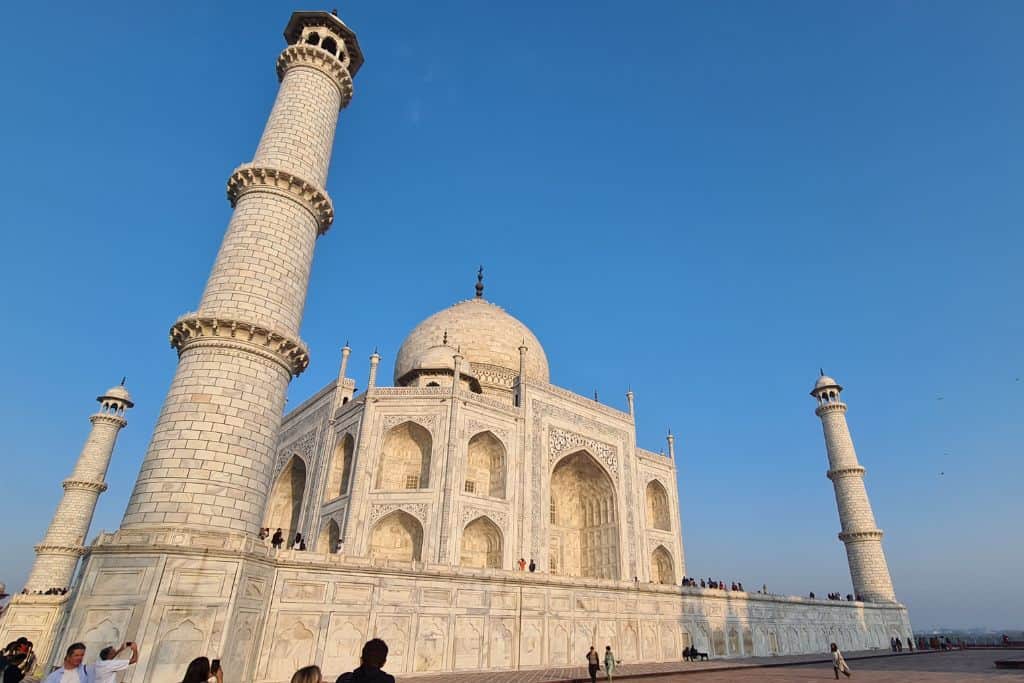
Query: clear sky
[{"x": 705, "y": 201}]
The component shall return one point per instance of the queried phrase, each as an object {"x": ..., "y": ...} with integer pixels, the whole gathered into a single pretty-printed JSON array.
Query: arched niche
[
  {"x": 485, "y": 466},
  {"x": 405, "y": 458},
  {"x": 329, "y": 535},
  {"x": 662, "y": 570},
  {"x": 584, "y": 528},
  {"x": 340, "y": 473},
  {"x": 481, "y": 544},
  {"x": 285, "y": 502},
  {"x": 658, "y": 507},
  {"x": 397, "y": 536}
]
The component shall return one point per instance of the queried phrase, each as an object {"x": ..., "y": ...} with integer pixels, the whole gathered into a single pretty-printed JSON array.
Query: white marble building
[{"x": 417, "y": 500}]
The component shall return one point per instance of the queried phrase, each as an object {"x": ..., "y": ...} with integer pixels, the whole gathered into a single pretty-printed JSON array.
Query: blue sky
[{"x": 705, "y": 201}]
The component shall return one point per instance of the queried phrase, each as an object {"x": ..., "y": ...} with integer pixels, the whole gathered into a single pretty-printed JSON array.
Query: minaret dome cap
[
  {"x": 300, "y": 20},
  {"x": 825, "y": 382},
  {"x": 118, "y": 392}
]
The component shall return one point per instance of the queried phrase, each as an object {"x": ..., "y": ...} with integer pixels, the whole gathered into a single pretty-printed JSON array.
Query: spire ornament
[{"x": 480, "y": 283}]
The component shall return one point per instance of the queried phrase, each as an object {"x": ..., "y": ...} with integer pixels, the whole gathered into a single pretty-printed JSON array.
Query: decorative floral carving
[
  {"x": 417, "y": 510},
  {"x": 428, "y": 422},
  {"x": 249, "y": 178},
  {"x": 474, "y": 427},
  {"x": 470, "y": 513},
  {"x": 561, "y": 442}
]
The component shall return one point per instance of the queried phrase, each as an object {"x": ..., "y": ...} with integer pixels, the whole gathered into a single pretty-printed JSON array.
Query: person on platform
[
  {"x": 72, "y": 670},
  {"x": 593, "y": 664},
  {"x": 277, "y": 539},
  {"x": 371, "y": 667},
  {"x": 104, "y": 669},
  {"x": 838, "y": 663},
  {"x": 609, "y": 662}
]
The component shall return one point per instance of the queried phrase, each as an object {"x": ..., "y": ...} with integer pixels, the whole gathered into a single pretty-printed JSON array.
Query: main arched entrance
[{"x": 584, "y": 529}]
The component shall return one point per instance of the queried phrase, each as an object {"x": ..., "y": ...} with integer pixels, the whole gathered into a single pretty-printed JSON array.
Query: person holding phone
[{"x": 104, "y": 669}]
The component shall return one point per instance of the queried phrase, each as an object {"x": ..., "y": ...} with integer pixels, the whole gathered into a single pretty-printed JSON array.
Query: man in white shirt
[
  {"x": 104, "y": 669},
  {"x": 72, "y": 671}
]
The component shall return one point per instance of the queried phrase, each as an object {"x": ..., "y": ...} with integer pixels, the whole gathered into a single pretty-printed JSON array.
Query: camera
[{"x": 215, "y": 666}]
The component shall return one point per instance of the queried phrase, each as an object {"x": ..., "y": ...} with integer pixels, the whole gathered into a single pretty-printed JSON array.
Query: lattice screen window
[
  {"x": 412, "y": 482},
  {"x": 470, "y": 486}
]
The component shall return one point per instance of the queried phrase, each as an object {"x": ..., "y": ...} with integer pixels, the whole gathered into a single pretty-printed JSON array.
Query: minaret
[
  {"x": 629, "y": 402},
  {"x": 868, "y": 569},
  {"x": 671, "y": 439},
  {"x": 371, "y": 381},
  {"x": 57, "y": 556},
  {"x": 217, "y": 432}
]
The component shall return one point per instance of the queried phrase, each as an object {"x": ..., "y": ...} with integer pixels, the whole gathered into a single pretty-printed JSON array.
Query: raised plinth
[
  {"x": 248, "y": 178},
  {"x": 194, "y": 330}
]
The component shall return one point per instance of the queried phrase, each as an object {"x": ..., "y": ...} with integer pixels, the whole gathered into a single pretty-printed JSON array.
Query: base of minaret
[{"x": 40, "y": 619}]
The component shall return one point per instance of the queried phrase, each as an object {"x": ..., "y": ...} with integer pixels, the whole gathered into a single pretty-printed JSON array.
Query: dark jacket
[{"x": 365, "y": 675}]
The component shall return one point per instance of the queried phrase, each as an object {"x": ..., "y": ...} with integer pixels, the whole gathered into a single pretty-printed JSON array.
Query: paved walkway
[{"x": 877, "y": 666}]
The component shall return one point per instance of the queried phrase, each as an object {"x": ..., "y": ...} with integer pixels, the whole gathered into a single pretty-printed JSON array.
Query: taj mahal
[{"x": 417, "y": 497}]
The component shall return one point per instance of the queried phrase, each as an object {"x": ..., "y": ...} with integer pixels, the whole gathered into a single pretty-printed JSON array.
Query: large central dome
[{"x": 488, "y": 337}]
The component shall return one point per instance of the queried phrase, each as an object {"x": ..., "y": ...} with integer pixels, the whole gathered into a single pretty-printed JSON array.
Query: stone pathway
[{"x": 876, "y": 666}]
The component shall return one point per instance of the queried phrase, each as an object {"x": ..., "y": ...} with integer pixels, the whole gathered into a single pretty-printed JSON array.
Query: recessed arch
[
  {"x": 285, "y": 501},
  {"x": 659, "y": 515},
  {"x": 405, "y": 458},
  {"x": 662, "y": 569},
  {"x": 397, "y": 536},
  {"x": 330, "y": 45},
  {"x": 584, "y": 534},
  {"x": 485, "y": 466},
  {"x": 341, "y": 468},
  {"x": 329, "y": 535},
  {"x": 481, "y": 544}
]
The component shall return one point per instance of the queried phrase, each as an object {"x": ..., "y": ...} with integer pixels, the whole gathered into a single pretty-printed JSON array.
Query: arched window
[
  {"x": 433, "y": 384},
  {"x": 662, "y": 570},
  {"x": 313, "y": 38},
  {"x": 397, "y": 536},
  {"x": 405, "y": 458},
  {"x": 658, "y": 514},
  {"x": 341, "y": 468},
  {"x": 329, "y": 535},
  {"x": 587, "y": 540},
  {"x": 285, "y": 501},
  {"x": 485, "y": 466},
  {"x": 481, "y": 544},
  {"x": 330, "y": 45}
]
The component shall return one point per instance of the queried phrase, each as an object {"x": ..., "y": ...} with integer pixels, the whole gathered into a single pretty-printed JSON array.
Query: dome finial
[
  {"x": 821, "y": 372},
  {"x": 444, "y": 340},
  {"x": 480, "y": 283},
  {"x": 123, "y": 379}
]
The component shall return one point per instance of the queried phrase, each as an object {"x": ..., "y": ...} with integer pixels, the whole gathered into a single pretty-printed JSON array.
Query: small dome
[
  {"x": 441, "y": 357},
  {"x": 118, "y": 392},
  {"x": 488, "y": 337},
  {"x": 824, "y": 381}
]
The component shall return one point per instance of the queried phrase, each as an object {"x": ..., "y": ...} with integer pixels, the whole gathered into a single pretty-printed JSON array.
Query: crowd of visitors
[
  {"x": 49, "y": 591},
  {"x": 17, "y": 660}
]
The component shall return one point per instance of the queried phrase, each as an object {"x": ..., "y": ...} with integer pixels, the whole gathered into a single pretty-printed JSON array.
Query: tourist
[
  {"x": 11, "y": 662},
  {"x": 899, "y": 644},
  {"x": 104, "y": 669},
  {"x": 838, "y": 663},
  {"x": 533, "y": 566},
  {"x": 686, "y": 653},
  {"x": 593, "y": 664},
  {"x": 72, "y": 670},
  {"x": 277, "y": 540},
  {"x": 302, "y": 544},
  {"x": 371, "y": 665},
  {"x": 297, "y": 542},
  {"x": 339, "y": 546},
  {"x": 812, "y": 595},
  {"x": 264, "y": 532},
  {"x": 522, "y": 564},
  {"x": 702, "y": 584},
  {"x": 609, "y": 662},
  {"x": 201, "y": 671},
  {"x": 308, "y": 674}
]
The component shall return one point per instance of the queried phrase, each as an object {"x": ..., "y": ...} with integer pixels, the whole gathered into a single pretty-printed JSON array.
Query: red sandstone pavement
[{"x": 966, "y": 666}]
